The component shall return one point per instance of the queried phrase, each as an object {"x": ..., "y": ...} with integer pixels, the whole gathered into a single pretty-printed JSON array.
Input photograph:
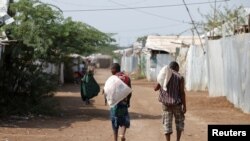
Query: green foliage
[
  {"x": 80, "y": 38},
  {"x": 53, "y": 37},
  {"x": 219, "y": 16},
  {"x": 142, "y": 40},
  {"x": 35, "y": 25},
  {"x": 24, "y": 86},
  {"x": 43, "y": 36}
]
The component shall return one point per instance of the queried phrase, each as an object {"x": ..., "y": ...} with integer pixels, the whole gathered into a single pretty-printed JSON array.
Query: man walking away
[
  {"x": 119, "y": 113},
  {"x": 173, "y": 99}
]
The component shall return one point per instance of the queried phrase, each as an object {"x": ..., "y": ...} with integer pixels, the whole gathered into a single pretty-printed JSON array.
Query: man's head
[
  {"x": 174, "y": 66},
  {"x": 115, "y": 68}
]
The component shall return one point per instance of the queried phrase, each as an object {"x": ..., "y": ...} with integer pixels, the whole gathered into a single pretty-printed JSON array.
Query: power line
[
  {"x": 194, "y": 25},
  {"x": 149, "y": 13},
  {"x": 140, "y": 7},
  {"x": 52, "y": 5},
  {"x": 184, "y": 31}
]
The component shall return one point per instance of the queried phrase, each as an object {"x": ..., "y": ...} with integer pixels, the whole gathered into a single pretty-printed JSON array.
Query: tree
[
  {"x": 231, "y": 18},
  {"x": 43, "y": 36},
  {"x": 142, "y": 40},
  {"x": 80, "y": 38}
]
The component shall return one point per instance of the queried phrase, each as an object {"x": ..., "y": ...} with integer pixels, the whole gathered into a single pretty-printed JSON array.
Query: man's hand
[
  {"x": 184, "y": 109},
  {"x": 157, "y": 87}
]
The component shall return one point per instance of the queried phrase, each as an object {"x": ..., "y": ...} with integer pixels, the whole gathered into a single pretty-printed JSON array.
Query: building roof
[
  {"x": 170, "y": 43},
  {"x": 125, "y": 51},
  {"x": 74, "y": 55}
]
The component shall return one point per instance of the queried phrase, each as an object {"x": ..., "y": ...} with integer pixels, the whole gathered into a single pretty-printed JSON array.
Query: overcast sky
[{"x": 163, "y": 17}]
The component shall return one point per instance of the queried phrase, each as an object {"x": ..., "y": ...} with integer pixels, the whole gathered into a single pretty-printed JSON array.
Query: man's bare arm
[{"x": 183, "y": 94}]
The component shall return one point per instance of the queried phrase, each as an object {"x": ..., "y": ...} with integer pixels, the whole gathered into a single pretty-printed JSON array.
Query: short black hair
[
  {"x": 174, "y": 65},
  {"x": 117, "y": 67}
]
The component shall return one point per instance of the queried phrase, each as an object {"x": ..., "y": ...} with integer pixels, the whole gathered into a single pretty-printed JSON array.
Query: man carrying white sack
[
  {"x": 173, "y": 99},
  {"x": 118, "y": 98}
]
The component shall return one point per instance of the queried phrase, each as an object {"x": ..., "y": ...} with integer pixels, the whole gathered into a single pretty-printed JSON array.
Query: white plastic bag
[
  {"x": 115, "y": 90},
  {"x": 164, "y": 76}
]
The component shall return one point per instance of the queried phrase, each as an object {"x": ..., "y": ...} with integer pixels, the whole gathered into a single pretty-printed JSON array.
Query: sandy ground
[{"x": 80, "y": 122}]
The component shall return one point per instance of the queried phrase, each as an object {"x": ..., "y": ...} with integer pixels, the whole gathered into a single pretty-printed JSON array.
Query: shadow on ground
[{"x": 73, "y": 109}]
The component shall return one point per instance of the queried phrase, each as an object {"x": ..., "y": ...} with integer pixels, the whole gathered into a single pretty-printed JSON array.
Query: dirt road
[{"x": 80, "y": 122}]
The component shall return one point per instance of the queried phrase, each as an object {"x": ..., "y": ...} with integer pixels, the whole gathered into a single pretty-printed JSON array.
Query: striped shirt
[{"x": 172, "y": 96}]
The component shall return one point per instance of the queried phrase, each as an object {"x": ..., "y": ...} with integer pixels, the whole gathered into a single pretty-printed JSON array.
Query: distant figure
[
  {"x": 89, "y": 87},
  {"x": 74, "y": 73},
  {"x": 91, "y": 66},
  {"x": 173, "y": 99},
  {"x": 77, "y": 77},
  {"x": 83, "y": 68}
]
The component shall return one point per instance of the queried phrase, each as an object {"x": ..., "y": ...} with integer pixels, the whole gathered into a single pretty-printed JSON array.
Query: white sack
[
  {"x": 115, "y": 90},
  {"x": 164, "y": 76}
]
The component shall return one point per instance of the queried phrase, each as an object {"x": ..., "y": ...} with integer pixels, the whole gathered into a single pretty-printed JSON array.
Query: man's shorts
[
  {"x": 167, "y": 118},
  {"x": 120, "y": 121},
  {"x": 120, "y": 116}
]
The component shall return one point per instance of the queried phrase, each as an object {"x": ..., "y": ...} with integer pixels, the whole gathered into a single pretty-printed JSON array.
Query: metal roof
[{"x": 170, "y": 43}]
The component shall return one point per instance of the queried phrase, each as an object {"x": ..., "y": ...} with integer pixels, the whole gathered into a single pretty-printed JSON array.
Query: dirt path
[{"x": 79, "y": 122}]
